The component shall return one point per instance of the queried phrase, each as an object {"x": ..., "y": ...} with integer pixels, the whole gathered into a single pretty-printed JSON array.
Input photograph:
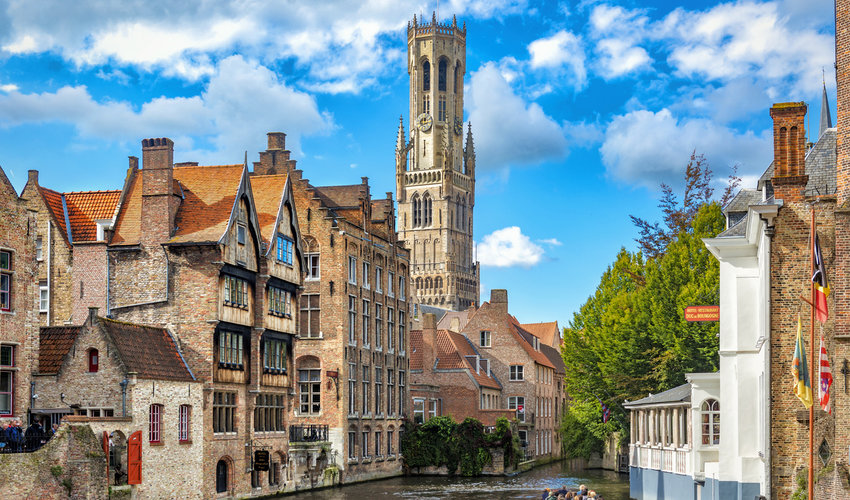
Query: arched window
[
  {"x": 710, "y": 422},
  {"x": 457, "y": 76},
  {"x": 426, "y": 76},
  {"x": 94, "y": 360},
  {"x": 417, "y": 212},
  {"x": 221, "y": 476},
  {"x": 441, "y": 77},
  {"x": 426, "y": 209}
]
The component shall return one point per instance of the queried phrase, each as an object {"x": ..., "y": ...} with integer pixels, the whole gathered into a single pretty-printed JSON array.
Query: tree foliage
[{"x": 630, "y": 338}]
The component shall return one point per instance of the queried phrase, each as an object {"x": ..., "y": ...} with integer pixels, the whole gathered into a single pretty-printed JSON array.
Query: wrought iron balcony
[{"x": 307, "y": 433}]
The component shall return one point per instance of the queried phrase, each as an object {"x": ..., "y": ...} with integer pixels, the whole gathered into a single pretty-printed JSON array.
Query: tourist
[
  {"x": 570, "y": 495},
  {"x": 545, "y": 494},
  {"x": 33, "y": 436},
  {"x": 3, "y": 440},
  {"x": 582, "y": 490},
  {"x": 15, "y": 436}
]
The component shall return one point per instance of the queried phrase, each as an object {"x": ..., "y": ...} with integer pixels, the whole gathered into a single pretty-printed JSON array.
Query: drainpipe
[
  {"x": 49, "y": 252},
  {"x": 123, "y": 385}
]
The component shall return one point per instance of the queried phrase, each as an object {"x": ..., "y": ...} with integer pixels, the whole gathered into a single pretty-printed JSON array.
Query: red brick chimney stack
[
  {"x": 159, "y": 198},
  {"x": 429, "y": 341},
  {"x": 842, "y": 77},
  {"x": 499, "y": 299},
  {"x": 789, "y": 150}
]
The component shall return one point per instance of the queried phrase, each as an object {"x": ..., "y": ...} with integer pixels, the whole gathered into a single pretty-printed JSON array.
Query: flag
[
  {"x": 800, "y": 370},
  {"x": 825, "y": 378},
  {"x": 821, "y": 286},
  {"x": 606, "y": 413}
]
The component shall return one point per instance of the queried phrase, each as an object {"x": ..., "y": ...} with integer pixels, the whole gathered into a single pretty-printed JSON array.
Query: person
[
  {"x": 15, "y": 436},
  {"x": 545, "y": 494},
  {"x": 33, "y": 436},
  {"x": 3, "y": 440},
  {"x": 582, "y": 490},
  {"x": 563, "y": 490},
  {"x": 570, "y": 495}
]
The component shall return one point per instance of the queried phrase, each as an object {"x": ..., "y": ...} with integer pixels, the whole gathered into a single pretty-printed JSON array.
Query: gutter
[{"x": 49, "y": 252}]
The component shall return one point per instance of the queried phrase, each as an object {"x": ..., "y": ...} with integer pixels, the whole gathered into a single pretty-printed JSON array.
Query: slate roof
[
  {"x": 680, "y": 394},
  {"x": 742, "y": 200},
  {"x": 268, "y": 192},
  {"x": 54, "y": 342},
  {"x": 80, "y": 210},
  {"x": 526, "y": 340},
  {"x": 738, "y": 229},
  {"x": 547, "y": 332},
  {"x": 148, "y": 351},
  {"x": 555, "y": 358}
]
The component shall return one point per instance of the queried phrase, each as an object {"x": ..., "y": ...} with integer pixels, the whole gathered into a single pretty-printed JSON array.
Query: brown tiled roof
[
  {"x": 268, "y": 191},
  {"x": 526, "y": 341},
  {"x": 146, "y": 350},
  {"x": 451, "y": 351},
  {"x": 554, "y": 356},
  {"x": 547, "y": 332},
  {"x": 128, "y": 223},
  {"x": 382, "y": 209},
  {"x": 341, "y": 196},
  {"x": 54, "y": 342},
  {"x": 84, "y": 207},
  {"x": 209, "y": 193},
  {"x": 53, "y": 200}
]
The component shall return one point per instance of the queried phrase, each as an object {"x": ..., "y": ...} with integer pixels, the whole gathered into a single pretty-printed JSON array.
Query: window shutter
[
  {"x": 106, "y": 450},
  {"x": 134, "y": 458}
]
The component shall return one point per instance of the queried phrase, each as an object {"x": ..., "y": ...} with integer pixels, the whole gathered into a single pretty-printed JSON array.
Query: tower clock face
[
  {"x": 458, "y": 126},
  {"x": 424, "y": 121}
]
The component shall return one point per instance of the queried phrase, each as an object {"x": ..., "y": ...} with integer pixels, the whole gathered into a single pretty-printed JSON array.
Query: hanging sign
[
  {"x": 702, "y": 313},
  {"x": 261, "y": 460}
]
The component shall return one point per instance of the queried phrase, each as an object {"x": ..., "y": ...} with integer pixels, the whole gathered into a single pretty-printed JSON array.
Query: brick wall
[{"x": 88, "y": 280}]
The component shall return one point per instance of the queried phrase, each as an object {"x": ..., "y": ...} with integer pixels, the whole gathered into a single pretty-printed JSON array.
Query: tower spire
[
  {"x": 400, "y": 143},
  {"x": 825, "y": 117}
]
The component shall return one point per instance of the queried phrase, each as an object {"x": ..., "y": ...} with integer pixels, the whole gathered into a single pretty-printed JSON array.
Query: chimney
[
  {"x": 275, "y": 159},
  {"x": 499, "y": 299},
  {"x": 789, "y": 150},
  {"x": 32, "y": 177},
  {"x": 159, "y": 200},
  {"x": 92, "y": 315},
  {"x": 429, "y": 341},
  {"x": 133, "y": 162}
]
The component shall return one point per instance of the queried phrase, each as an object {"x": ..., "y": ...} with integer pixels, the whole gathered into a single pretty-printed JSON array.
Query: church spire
[{"x": 825, "y": 117}]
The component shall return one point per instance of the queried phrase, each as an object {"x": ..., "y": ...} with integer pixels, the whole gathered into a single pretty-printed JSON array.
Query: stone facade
[
  {"x": 353, "y": 324},
  {"x": 435, "y": 173}
]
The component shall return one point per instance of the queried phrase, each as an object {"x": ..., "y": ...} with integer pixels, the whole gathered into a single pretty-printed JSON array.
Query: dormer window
[
  {"x": 94, "y": 360},
  {"x": 284, "y": 249},
  {"x": 103, "y": 226}
]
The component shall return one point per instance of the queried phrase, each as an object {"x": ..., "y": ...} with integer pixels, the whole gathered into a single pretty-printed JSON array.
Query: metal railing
[
  {"x": 22, "y": 445},
  {"x": 307, "y": 433}
]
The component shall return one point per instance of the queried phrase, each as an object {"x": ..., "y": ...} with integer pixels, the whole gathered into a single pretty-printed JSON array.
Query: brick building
[
  {"x": 216, "y": 259},
  {"x": 449, "y": 376},
  {"x": 351, "y": 357},
  {"x": 71, "y": 232},
  {"x": 130, "y": 384},
  {"x": 18, "y": 344},
  {"x": 435, "y": 172}
]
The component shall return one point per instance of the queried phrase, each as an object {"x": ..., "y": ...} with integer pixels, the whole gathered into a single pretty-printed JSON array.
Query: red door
[{"x": 134, "y": 458}]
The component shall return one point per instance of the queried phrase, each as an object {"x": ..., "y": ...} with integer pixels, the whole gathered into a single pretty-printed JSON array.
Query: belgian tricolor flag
[{"x": 821, "y": 286}]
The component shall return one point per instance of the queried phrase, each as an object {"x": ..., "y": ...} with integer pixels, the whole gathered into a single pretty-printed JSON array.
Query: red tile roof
[
  {"x": 268, "y": 192},
  {"x": 54, "y": 342},
  {"x": 209, "y": 193},
  {"x": 526, "y": 341},
  {"x": 451, "y": 351},
  {"x": 148, "y": 351},
  {"x": 53, "y": 200},
  {"x": 128, "y": 223},
  {"x": 548, "y": 332},
  {"x": 85, "y": 207}
]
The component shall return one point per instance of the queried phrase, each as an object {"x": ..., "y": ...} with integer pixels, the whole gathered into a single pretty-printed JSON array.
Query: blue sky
[{"x": 579, "y": 109}]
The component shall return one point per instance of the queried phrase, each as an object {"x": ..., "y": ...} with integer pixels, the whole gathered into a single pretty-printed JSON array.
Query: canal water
[{"x": 611, "y": 485}]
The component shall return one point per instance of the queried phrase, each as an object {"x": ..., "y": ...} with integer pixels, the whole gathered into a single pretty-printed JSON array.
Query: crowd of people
[
  {"x": 570, "y": 494},
  {"x": 15, "y": 439}
]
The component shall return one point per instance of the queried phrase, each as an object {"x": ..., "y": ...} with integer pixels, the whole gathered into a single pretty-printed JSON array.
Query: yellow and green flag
[{"x": 800, "y": 370}]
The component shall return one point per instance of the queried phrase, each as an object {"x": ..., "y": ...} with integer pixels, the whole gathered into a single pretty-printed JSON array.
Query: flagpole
[{"x": 812, "y": 363}]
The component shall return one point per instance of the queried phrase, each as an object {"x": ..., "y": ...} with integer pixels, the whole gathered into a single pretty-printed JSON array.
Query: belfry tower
[{"x": 435, "y": 173}]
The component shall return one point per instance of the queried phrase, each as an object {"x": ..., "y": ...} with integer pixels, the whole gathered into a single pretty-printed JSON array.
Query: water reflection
[{"x": 610, "y": 485}]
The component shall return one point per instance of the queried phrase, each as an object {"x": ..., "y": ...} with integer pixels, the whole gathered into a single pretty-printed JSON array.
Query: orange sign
[{"x": 702, "y": 313}]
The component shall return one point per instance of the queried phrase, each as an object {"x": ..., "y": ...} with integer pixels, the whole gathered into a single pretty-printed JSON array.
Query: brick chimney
[
  {"x": 789, "y": 150},
  {"x": 32, "y": 177},
  {"x": 499, "y": 299},
  {"x": 275, "y": 159},
  {"x": 159, "y": 198},
  {"x": 429, "y": 341}
]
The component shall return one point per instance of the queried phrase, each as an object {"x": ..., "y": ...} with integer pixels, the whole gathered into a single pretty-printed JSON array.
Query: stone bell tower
[{"x": 435, "y": 173}]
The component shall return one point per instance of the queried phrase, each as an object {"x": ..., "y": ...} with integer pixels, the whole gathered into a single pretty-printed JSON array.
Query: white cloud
[
  {"x": 732, "y": 40},
  {"x": 242, "y": 102},
  {"x": 647, "y": 148},
  {"x": 339, "y": 43},
  {"x": 563, "y": 49},
  {"x": 618, "y": 57},
  {"x": 8, "y": 87},
  {"x": 618, "y": 33},
  {"x": 551, "y": 241},
  {"x": 507, "y": 129},
  {"x": 508, "y": 247}
]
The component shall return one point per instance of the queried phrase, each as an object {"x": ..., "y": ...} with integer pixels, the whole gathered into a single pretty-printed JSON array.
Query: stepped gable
[
  {"x": 148, "y": 351},
  {"x": 54, "y": 342},
  {"x": 268, "y": 194}
]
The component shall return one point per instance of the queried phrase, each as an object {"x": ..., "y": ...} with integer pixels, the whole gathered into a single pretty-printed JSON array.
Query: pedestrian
[
  {"x": 33, "y": 436},
  {"x": 3, "y": 438},
  {"x": 15, "y": 436}
]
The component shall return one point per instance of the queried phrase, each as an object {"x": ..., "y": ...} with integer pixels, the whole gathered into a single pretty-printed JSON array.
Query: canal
[{"x": 611, "y": 485}]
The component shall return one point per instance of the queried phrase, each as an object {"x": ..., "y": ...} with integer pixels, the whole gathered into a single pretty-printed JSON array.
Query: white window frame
[
  {"x": 43, "y": 297},
  {"x": 390, "y": 279},
  {"x": 517, "y": 373},
  {"x": 39, "y": 249},
  {"x": 352, "y": 269},
  {"x": 485, "y": 338},
  {"x": 184, "y": 413},
  {"x": 314, "y": 270},
  {"x": 366, "y": 283},
  {"x": 379, "y": 278},
  {"x": 155, "y": 421}
]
